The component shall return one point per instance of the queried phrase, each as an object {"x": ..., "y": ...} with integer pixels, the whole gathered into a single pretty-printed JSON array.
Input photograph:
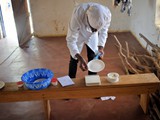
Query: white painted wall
[
  {"x": 143, "y": 21},
  {"x": 51, "y": 17},
  {"x": 158, "y": 12}
]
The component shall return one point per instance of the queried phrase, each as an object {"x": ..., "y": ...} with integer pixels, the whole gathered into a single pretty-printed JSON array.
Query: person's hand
[
  {"x": 83, "y": 64},
  {"x": 100, "y": 50}
]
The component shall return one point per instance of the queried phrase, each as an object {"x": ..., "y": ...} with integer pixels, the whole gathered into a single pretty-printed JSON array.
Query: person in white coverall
[{"x": 88, "y": 26}]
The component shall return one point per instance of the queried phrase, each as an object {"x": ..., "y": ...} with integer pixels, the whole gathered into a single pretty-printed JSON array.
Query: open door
[
  {"x": 21, "y": 16},
  {"x": 2, "y": 27}
]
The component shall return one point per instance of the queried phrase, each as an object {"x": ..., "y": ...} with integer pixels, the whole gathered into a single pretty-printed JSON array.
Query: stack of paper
[
  {"x": 92, "y": 80},
  {"x": 65, "y": 81}
]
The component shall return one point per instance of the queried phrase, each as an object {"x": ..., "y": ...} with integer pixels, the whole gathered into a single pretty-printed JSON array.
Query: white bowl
[
  {"x": 2, "y": 84},
  {"x": 96, "y": 65},
  {"x": 113, "y": 77}
]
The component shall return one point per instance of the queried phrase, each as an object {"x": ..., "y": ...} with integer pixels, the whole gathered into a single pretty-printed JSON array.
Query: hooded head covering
[{"x": 98, "y": 16}]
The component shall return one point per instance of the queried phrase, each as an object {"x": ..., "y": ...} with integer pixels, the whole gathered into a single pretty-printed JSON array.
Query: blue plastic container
[{"x": 37, "y": 79}]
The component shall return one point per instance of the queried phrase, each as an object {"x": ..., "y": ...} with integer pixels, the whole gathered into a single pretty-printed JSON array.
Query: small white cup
[{"x": 113, "y": 77}]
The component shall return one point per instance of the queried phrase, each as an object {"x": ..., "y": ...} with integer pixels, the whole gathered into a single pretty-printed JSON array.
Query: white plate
[
  {"x": 96, "y": 65},
  {"x": 1, "y": 84}
]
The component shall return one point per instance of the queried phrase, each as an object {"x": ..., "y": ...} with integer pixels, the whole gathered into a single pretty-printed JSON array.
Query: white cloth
[
  {"x": 79, "y": 32},
  {"x": 97, "y": 16},
  {"x": 108, "y": 98}
]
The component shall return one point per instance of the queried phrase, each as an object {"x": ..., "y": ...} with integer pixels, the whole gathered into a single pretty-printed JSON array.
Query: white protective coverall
[{"x": 79, "y": 32}]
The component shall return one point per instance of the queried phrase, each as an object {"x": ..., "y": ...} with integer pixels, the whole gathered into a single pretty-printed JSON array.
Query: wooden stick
[
  {"x": 123, "y": 64},
  {"x": 120, "y": 49},
  {"x": 127, "y": 48}
]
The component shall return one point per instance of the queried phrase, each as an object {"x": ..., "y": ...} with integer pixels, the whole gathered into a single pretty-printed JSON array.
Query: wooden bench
[{"x": 139, "y": 84}]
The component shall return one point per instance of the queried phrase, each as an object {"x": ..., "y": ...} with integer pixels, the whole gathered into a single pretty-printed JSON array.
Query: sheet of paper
[
  {"x": 108, "y": 98},
  {"x": 65, "y": 81}
]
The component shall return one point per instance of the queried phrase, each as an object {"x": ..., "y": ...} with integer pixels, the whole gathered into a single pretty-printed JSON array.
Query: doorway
[
  {"x": 16, "y": 26},
  {"x": 2, "y": 28},
  {"x": 7, "y": 23}
]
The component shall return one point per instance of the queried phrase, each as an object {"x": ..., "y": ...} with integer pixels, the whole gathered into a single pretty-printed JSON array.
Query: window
[{"x": 157, "y": 13}]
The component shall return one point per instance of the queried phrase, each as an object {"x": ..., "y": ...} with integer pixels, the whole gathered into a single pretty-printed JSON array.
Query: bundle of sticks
[
  {"x": 143, "y": 63},
  {"x": 135, "y": 63}
]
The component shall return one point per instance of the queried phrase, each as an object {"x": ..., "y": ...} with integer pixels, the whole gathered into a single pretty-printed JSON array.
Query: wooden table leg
[
  {"x": 47, "y": 109},
  {"x": 144, "y": 101}
]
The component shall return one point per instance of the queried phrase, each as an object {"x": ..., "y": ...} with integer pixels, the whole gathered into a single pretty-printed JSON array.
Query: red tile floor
[{"x": 52, "y": 53}]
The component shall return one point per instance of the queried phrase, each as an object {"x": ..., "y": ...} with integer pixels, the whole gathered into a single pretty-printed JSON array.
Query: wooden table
[{"x": 138, "y": 84}]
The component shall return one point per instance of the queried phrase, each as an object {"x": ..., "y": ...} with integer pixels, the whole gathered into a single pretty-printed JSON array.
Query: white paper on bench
[{"x": 65, "y": 81}]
